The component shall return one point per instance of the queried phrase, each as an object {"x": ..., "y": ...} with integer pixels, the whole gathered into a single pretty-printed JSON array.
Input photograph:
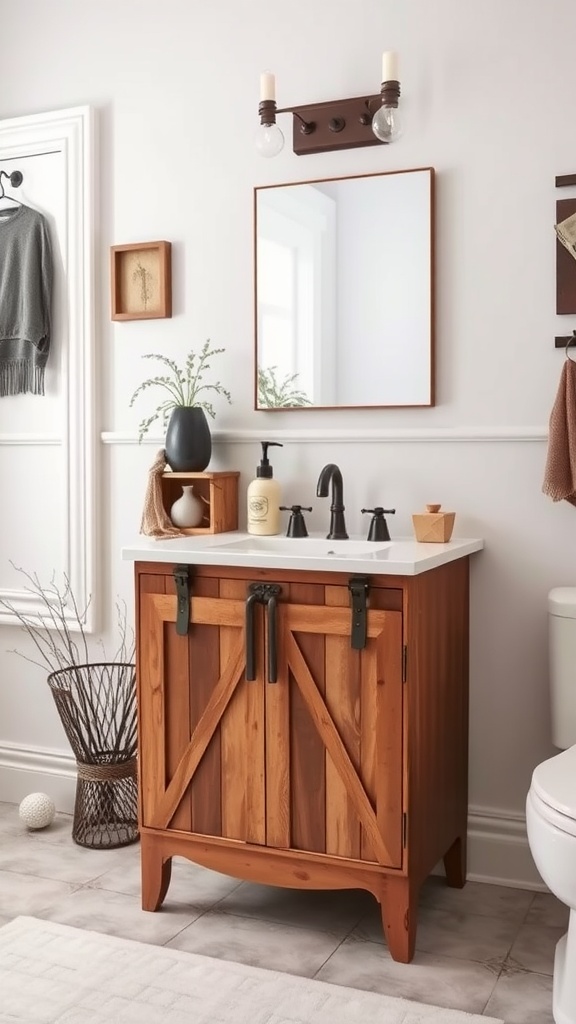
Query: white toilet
[{"x": 551, "y": 801}]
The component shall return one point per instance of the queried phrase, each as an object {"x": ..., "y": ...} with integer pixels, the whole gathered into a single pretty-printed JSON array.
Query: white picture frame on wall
[{"x": 55, "y": 153}]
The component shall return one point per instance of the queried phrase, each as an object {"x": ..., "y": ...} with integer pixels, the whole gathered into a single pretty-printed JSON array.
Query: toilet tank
[{"x": 562, "y": 664}]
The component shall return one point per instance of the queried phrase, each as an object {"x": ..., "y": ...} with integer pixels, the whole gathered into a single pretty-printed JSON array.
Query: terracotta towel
[
  {"x": 155, "y": 520},
  {"x": 560, "y": 473}
]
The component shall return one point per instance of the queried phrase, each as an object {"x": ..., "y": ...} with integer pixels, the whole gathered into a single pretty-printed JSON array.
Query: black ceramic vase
[{"x": 188, "y": 444}]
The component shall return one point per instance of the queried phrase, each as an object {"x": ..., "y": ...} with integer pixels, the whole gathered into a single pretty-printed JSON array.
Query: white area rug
[{"x": 53, "y": 974}]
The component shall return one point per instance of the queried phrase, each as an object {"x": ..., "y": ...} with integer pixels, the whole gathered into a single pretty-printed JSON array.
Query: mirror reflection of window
[
  {"x": 296, "y": 290},
  {"x": 276, "y": 305},
  {"x": 344, "y": 291}
]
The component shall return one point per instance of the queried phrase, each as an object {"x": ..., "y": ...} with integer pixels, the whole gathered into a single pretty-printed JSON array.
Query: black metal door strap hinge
[
  {"x": 183, "y": 580},
  {"x": 358, "y": 587},
  {"x": 266, "y": 594}
]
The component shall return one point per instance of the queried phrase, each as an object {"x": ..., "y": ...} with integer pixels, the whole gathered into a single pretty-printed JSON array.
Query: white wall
[{"x": 486, "y": 92}]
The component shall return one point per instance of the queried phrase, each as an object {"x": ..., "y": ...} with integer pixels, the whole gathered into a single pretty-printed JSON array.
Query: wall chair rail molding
[
  {"x": 336, "y": 124},
  {"x": 30, "y": 439},
  {"x": 448, "y": 435},
  {"x": 55, "y": 152}
]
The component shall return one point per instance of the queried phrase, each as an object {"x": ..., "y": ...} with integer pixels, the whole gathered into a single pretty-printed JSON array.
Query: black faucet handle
[
  {"x": 296, "y": 523},
  {"x": 378, "y": 526}
]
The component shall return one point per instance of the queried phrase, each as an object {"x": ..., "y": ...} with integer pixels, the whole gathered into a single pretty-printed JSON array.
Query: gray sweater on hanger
[{"x": 25, "y": 297}]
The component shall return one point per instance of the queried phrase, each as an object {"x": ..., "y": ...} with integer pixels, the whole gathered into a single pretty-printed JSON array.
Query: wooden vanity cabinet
[{"x": 348, "y": 771}]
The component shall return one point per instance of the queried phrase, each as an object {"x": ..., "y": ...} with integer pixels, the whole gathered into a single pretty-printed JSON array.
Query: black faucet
[{"x": 331, "y": 475}]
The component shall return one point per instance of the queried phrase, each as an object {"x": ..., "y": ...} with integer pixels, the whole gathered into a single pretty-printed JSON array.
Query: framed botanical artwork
[{"x": 141, "y": 281}]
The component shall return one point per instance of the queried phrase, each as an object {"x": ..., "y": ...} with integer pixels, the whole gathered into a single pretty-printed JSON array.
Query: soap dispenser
[{"x": 264, "y": 497}]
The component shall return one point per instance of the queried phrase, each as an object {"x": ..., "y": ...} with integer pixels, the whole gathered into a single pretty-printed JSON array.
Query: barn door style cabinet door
[{"x": 297, "y": 731}]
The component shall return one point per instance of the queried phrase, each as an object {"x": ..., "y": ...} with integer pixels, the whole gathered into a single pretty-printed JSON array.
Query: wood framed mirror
[{"x": 344, "y": 292}]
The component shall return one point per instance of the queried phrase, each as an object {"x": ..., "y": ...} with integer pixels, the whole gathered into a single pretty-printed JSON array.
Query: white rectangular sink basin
[{"x": 306, "y": 547}]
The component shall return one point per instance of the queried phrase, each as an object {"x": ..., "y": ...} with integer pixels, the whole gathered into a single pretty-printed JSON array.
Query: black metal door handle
[
  {"x": 266, "y": 594},
  {"x": 272, "y": 647},
  {"x": 250, "y": 646}
]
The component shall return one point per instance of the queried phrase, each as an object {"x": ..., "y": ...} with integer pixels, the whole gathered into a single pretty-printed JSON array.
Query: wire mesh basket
[{"x": 97, "y": 707}]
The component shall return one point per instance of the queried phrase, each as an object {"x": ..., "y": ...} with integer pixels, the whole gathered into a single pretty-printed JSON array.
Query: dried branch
[{"x": 50, "y": 628}]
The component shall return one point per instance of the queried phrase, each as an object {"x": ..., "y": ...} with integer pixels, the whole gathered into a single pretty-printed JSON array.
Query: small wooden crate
[
  {"x": 219, "y": 492},
  {"x": 433, "y": 526}
]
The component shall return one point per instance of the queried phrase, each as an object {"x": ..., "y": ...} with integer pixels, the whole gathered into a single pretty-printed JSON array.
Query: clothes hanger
[{"x": 16, "y": 179}]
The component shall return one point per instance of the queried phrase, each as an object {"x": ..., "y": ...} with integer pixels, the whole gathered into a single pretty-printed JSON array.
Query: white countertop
[{"x": 403, "y": 557}]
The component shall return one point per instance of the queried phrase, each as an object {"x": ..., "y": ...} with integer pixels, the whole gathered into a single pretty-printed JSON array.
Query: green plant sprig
[
  {"x": 278, "y": 394},
  {"x": 182, "y": 386}
]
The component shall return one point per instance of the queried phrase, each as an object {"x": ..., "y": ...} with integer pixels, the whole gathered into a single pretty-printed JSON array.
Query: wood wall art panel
[{"x": 565, "y": 264}]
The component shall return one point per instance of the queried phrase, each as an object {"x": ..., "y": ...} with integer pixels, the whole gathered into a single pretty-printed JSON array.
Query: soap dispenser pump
[{"x": 264, "y": 497}]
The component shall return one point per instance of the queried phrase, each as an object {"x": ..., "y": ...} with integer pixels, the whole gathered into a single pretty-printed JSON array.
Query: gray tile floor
[{"x": 485, "y": 948}]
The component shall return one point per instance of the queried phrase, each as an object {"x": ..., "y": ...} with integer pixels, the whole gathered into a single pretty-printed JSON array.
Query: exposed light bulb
[
  {"x": 386, "y": 124},
  {"x": 269, "y": 140}
]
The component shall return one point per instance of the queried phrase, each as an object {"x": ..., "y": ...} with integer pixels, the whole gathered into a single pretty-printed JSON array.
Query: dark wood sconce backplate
[{"x": 337, "y": 124}]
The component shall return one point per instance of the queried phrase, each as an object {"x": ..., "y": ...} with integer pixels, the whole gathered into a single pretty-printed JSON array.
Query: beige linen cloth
[
  {"x": 560, "y": 473},
  {"x": 566, "y": 233},
  {"x": 155, "y": 520}
]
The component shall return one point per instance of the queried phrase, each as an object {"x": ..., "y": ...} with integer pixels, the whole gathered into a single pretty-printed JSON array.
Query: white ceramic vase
[{"x": 188, "y": 510}]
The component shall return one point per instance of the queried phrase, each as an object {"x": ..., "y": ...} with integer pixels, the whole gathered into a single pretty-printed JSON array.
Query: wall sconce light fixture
[{"x": 337, "y": 124}]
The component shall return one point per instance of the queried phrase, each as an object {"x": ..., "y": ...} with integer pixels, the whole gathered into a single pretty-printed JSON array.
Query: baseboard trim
[
  {"x": 26, "y": 770},
  {"x": 498, "y": 850}
]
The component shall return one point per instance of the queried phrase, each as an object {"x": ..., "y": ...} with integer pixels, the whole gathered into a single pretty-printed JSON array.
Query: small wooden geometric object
[
  {"x": 433, "y": 526},
  {"x": 219, "y": 492}
]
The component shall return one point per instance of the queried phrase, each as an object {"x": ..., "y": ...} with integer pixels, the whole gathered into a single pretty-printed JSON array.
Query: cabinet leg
[
  {"x": 156, "y": 872},
  {"x": 399, "y": 904},
  {"x": 455, "y": 863}
]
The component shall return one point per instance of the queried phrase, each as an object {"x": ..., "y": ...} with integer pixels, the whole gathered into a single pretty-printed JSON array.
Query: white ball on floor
[{"x": 37, "y": 810}]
